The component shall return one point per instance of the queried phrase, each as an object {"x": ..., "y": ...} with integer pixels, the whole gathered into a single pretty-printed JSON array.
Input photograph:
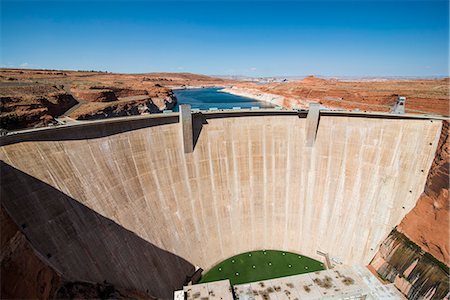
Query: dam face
[{"x": 122, "y": 202}]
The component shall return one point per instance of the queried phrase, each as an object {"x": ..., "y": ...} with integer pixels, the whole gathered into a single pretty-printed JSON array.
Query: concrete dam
[{"x": 120, "y": 201}]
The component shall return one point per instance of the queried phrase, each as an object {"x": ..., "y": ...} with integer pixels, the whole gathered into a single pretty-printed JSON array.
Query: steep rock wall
[
  {"x": 414, "y": 272},
  {"x": 23, "y": 274}
]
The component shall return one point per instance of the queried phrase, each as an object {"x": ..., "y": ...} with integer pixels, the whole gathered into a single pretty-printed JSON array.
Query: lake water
[{"x": 205, "y": 98}]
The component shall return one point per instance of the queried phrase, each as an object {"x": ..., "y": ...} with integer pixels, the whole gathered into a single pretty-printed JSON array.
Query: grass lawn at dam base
[{"x": 261, "y": 265}]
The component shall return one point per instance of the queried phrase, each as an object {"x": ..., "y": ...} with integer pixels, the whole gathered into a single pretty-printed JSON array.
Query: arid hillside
[
  {"x": 423, "y": 96},
  {"x": 35, "y": 98}
]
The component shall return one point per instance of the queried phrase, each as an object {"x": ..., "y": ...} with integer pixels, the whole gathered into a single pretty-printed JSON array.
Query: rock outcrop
[
  {"x": 416, "y": 273},
  {"x": 23, "y": 274},
  {"x": 108, "y": 101},
  {"x": 121, "y": 109},
  {"x": 95, "y": 95},
  {"x": 34, "y": 98},
  {"x": 131, "y": 102},
  {"x": 110, "y": 93},
  {"x": 32, "y": 106}
]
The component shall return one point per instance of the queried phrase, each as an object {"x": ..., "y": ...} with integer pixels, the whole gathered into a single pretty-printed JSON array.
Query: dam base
[{"x": 343, "y": 282}]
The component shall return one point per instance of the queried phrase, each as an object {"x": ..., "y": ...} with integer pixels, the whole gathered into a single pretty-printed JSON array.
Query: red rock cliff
[{"x": 24, "y": 275}]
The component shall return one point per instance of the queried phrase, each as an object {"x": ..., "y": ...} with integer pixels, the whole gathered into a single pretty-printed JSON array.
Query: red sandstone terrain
[
  {"x": 423, "y": 96},
  {"x": 27, "y": 105},
  {"x": 24, "y": 275},
  {"x": 35, "y": 98}
]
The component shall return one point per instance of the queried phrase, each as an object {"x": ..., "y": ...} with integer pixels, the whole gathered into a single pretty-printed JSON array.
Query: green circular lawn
[{"x": 261, "y": 265}]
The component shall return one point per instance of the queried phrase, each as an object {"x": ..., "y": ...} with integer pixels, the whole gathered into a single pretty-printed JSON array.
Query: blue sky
[{"x": 256, "y": 38}]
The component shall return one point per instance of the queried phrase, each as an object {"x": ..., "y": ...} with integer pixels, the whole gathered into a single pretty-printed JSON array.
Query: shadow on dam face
[{"x": 82, "y": 244}]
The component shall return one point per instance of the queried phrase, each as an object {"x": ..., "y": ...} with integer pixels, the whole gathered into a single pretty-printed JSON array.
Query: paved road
[{"x": 67, "y": 88}]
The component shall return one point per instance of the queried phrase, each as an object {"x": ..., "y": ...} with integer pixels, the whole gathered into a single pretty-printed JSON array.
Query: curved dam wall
[{"x": 121, "y": 202}]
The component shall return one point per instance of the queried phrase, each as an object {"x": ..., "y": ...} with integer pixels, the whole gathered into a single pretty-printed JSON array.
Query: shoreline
[
  {"x": 274, "y": 99},
  {"x": 192, "y": 87}
]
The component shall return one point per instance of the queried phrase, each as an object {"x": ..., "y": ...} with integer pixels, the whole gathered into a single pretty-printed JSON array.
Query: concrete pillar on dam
[
  {"x": 312, "y": 123},
  {"x": 186, "y": 127}
]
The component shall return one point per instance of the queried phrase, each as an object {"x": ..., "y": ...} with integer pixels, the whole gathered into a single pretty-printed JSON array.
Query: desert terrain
[
  {"x": 417, "y": 244},
  {"x": 423, "y": 96},
  {"x": 36, "y": 98}
]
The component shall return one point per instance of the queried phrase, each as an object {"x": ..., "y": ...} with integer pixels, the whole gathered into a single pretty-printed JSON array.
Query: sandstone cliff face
[
  {"x": 152, "y": 102},
  {"x": 32, "y": 106},
  {"x": 34, "y": 98},
  {"x": 414, "y": 272},
  {"x": 415, "y": 256},
  {"x": 24, "y": 275},
  {"x": 94, "y": 95},
  {"x": 119, "y": 109}
]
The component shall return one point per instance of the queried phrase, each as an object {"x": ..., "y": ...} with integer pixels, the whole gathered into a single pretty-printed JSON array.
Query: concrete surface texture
[
  {"x": 343, "y": 282},
  {"x": 217, "y": 290},
  {"x": 130, "y": 207}
]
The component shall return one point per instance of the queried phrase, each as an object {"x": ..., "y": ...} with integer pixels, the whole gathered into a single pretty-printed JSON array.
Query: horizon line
[{"x": 234, "y": 75}]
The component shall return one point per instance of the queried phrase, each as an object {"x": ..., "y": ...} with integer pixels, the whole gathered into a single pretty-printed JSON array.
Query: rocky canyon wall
[{"x": 23, "y": 274}]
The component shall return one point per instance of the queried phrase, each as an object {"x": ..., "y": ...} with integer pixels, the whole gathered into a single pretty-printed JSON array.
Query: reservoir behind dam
[{"x": 205, "y": 98}]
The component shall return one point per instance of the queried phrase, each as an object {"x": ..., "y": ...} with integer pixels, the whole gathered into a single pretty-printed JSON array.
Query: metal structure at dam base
[{"x": 141, "y": 202}]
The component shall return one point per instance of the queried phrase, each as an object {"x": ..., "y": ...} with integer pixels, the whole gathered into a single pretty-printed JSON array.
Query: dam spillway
[{"x": 121, "y": 202}]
